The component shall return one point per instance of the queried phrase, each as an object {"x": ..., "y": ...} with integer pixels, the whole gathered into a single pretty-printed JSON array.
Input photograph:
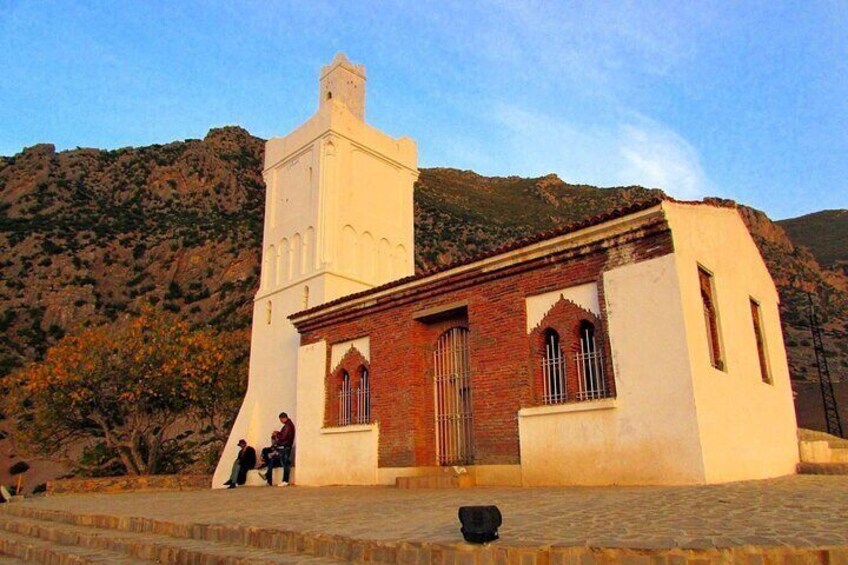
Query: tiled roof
[{"x": 535, "y": 238}]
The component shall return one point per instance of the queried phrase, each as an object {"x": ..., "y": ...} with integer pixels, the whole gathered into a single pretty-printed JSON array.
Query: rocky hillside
[
  {"x": 87, "y": 234},
  {"x": 825, "y": 233}
]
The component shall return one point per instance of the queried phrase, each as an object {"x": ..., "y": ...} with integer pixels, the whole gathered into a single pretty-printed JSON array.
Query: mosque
[{"x": 642, "y": 346}]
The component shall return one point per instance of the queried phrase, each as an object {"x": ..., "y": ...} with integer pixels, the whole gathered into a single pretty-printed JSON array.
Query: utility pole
[{"x": 831, "y": 411}]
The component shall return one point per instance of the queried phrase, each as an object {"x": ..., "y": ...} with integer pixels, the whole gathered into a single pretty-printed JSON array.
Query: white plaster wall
[
  {"x": 332, "y": 171},
  {"x": 329, "y": 456},
  {"x": 648, "y": 434},
  {"x": 747, "y": 427},
  {"x": 271, "y": 385},
  {"x": 584, "y": 295}
]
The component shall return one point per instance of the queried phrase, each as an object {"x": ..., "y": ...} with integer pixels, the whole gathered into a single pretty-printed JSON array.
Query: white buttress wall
[
  {"x": 344, "y": 455},
  {"x": 747, "y": 427}
]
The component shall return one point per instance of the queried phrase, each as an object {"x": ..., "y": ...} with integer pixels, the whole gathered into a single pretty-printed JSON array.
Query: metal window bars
[
  {"x": 345, "y": 400},
  {"x": 452, "y": 398},
  {"x": 554, "y": 390},
  {"x": 591, "y": 383},
  {"x": 363, "y": 401},
  {"x": 354, "y": 405}
]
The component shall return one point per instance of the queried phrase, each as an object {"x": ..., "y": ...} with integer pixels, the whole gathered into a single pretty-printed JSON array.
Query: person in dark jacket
[
  {"x": 285, "y": 442},
  {"x": 245, "y": 461}
]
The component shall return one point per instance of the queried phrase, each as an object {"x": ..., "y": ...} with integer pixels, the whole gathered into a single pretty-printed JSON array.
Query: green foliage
[
  {"x": 174, "y": 291},
  {"x": 99, "y": 460},
  {"x": 18, "y": 468},
  {"x": 6, "y": 319},
  {"x": 171, "y": 307},
  {"x": 51, "y": 247}
]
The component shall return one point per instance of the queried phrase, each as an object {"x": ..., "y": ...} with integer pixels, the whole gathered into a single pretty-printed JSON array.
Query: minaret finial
[{"x": 342, "y": 81}]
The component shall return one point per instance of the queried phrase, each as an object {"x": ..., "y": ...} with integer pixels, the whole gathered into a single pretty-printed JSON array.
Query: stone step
[
  {"x": 435, "y": 481},
  {"x": 822, "y": 468},
  {"x": 822, "y": 451},
  {"x": 24, "y": 549},
  {"x": 146, "y": 547},
  {"x": 6, "y": 560}
]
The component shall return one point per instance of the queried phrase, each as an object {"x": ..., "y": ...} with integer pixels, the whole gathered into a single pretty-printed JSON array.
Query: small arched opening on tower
[{"x": 342, "y": 81}]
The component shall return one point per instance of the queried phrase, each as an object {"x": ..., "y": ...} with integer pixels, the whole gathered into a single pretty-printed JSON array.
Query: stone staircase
[
  {"x": 439, "y": 477},
  {"x": 821, "y": 453},
  {"x": 32, "y": 535}
]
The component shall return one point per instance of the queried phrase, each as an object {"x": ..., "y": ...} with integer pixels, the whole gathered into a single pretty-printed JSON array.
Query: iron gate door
[{"x": 452, "y": 395}]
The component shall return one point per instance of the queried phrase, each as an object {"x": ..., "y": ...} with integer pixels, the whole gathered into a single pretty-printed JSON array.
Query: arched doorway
[{"x": 452, "y": 397}]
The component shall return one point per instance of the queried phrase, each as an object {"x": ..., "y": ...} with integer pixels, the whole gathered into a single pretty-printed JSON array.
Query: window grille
[
  {"x": 553, "y": 370},
  {"x": 591, "y": 383},
  {"x": 355, "y": 403},
  {"x": 345, "y": 398},
  {"x": 452, "y": 398},
  {"x": 757, "y": 317},
  {"x": 705, "y": 280},
  {"x": 363, "y": 398}
]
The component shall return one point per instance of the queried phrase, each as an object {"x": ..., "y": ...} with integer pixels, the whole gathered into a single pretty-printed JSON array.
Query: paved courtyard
[{"x": 799, "y": 511}]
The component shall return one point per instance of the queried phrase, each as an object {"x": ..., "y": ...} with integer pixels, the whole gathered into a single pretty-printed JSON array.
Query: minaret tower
[{"x": 338, "y": 220}]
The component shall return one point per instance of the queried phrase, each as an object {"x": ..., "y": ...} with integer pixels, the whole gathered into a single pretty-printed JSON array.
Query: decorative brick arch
[
  {"x": 353, "y": 362},
  {"x": 566, "y": 318}
]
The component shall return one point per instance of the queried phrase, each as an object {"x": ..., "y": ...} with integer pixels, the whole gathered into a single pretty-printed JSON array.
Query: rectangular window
[
  {"x": 705, "y": 279},
  {"x": 757, "y": 317}
]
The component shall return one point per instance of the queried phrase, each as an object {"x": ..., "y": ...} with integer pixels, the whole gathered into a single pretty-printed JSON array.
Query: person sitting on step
[
  {"x": 270, "y": 451},
  {"x": 245, "y": 460}
]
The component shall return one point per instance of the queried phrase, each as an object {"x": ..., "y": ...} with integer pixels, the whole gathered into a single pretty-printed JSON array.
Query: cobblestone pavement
[{"x": 799, "y": 511}]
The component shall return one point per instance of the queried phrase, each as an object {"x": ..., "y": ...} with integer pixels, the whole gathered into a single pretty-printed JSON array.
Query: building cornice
[{"x": 610, "y": 230}]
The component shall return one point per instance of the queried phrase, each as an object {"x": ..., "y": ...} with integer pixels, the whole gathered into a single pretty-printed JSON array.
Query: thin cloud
[
  {"x": 632, "y": 151},
  {"x": 657, "y": 156}
]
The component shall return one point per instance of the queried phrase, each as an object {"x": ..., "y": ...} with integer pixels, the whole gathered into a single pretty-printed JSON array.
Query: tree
[{"x": 129, "y": 395}]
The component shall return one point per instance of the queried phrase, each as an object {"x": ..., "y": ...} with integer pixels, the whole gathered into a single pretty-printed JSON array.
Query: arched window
[
  {"x": 344, "y": 400},
  {"x": 553, "y": 370},
  {"x": 452, "y": 398},
  {"x": 590, "y": 366},
  {"x": 363, "y": 400}
]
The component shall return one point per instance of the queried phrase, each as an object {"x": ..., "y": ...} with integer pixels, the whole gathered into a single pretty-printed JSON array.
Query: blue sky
[{"x": 745, "y": 100}]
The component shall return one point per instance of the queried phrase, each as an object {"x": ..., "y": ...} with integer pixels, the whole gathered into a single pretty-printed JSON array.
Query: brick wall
[
  {"x": 504, "y": 359},
  {"x": 566, "y": 319}
]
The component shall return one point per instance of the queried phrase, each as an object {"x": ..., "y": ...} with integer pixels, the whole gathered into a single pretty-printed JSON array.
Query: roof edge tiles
[{"x": 566, "y": 235}]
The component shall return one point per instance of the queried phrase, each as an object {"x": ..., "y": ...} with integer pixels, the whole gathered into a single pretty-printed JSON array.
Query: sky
[{"x": 743, "y": 100}]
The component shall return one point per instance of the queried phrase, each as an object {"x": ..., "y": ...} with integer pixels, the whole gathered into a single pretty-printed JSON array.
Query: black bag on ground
[{"x": 480, "y": 523}]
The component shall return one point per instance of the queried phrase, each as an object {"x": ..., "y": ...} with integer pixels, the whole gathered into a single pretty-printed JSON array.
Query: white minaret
[{"x": 338, "y": 220}]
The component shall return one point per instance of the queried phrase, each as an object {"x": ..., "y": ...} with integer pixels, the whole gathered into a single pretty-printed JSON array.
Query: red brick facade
[
  {"x": 566, "y": 319},
  {"x": 404, "y": 325}
]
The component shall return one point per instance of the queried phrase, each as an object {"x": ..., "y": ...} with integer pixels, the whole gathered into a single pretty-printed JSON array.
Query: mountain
[
  {"x": 460, "y": 213},
  {"x": 87, "y": 234},
  {"x": 825, "y": 234}
]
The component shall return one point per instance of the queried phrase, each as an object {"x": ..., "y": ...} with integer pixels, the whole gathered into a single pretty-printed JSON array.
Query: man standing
[{"x": 285, "y": 439}]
